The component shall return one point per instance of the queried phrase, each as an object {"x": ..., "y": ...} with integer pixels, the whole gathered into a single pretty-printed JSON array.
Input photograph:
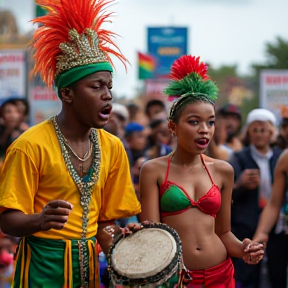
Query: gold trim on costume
[{"x": 81, "y": 50}]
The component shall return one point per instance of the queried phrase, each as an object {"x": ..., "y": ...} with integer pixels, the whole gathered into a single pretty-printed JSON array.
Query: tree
[
  {"x": 225, "y": 77},
  {"x": 277, "y": 56}
]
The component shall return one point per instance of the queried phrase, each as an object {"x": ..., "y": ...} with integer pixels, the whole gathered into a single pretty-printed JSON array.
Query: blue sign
[{"x": 166, "y": 44}]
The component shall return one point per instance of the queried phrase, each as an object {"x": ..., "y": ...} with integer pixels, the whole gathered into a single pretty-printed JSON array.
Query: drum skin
[{"x": 152, "y": 255}]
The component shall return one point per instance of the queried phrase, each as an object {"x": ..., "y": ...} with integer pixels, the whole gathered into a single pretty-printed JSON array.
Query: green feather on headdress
[
  {"x": 190, "y": 80},
  {"x": 193, "y": 84}
]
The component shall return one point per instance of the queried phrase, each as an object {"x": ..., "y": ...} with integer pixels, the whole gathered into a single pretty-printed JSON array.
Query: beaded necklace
[{"x": 85, "y": 186}]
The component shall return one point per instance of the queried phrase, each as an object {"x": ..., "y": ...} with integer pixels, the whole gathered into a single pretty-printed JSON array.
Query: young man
[
  {"x": 254, "y": 166},
  {"x": 66, "y": 179}
]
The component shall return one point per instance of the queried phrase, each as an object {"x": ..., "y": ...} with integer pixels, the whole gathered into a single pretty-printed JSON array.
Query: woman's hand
[{"x": 253, "y": 251}]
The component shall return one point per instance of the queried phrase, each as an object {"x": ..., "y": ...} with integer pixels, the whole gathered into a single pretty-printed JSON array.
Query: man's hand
[
  {"x": 250, "y": 178},
  {"x": 55, "y": 215}
]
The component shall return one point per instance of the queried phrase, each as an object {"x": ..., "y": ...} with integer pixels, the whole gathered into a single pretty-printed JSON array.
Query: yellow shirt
[{"x": 34, "y": 172}]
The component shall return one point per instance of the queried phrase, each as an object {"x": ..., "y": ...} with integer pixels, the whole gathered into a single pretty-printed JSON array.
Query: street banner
[
  {"x": 12, "y": 74},
  {"x": 166, "y": 44},
  {"x": 43, "y": 101},
  {"x": 274, "y": 91}
]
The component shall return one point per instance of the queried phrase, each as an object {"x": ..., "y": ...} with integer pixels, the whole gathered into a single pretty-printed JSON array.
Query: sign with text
[
  {"x": 12, "y": 74},
  {"x": 274, "y": 91},
  {"x": 166, "y": 44},
  {"x": 44, "y": 103}
]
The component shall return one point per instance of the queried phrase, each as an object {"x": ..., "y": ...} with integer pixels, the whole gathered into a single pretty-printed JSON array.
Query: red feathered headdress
[
  {"x": 186, "y": 65},
  {"x": 70, "y": 35},
  {"x": 190, "y": 81}
]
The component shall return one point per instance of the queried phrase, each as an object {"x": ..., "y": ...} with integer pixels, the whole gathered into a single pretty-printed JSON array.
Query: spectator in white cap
[
  {"x": 253, "y": 167},
  {"x": 121, "y": 111},
  {"x": 262, "y": 115}
]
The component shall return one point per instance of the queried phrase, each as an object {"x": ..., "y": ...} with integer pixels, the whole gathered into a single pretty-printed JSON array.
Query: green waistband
[{"x": 56, "y": 243}]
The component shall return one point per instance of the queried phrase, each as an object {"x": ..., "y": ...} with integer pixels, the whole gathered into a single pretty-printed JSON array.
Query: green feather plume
[{"x": 193, "y": 84}]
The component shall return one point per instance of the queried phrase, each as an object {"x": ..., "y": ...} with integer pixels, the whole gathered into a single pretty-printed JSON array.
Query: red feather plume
[
  {"x": 186, "y": 65},
  {"x": 62, "y": 16}
]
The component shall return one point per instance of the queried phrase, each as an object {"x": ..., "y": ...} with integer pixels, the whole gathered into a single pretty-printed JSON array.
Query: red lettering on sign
[{"x": 276, "y": 79}]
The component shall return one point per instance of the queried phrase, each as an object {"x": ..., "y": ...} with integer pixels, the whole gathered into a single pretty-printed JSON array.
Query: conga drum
[{"x": 151, "y": 256}]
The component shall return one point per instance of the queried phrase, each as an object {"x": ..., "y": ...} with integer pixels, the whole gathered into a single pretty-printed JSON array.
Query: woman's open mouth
[{"x": 202, "y": 143}]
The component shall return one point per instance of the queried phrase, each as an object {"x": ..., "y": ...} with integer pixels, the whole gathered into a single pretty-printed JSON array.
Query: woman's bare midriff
[{"x": 202, "y": 248}]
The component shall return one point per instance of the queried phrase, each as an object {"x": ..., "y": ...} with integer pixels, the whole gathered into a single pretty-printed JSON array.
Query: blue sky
[{"x": 231, "y": 32}]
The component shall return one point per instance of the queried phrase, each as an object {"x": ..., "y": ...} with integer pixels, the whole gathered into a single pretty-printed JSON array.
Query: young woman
[{"x": 191, "y": 192}]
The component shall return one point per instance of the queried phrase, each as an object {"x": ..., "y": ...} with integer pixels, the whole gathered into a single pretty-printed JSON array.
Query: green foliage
[
  {"x": 277, "y": 56},
  {"x": 226, "y": 78},
  {"x": 222, "y": 72}
]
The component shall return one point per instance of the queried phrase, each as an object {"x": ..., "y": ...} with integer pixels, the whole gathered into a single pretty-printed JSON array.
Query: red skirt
[{"x": 219, "y": 276}]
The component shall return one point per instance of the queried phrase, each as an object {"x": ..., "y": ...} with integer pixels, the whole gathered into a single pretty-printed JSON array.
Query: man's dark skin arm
[
  {"x": 18, "y": 224},
  {"x": 105, "y": 233}
]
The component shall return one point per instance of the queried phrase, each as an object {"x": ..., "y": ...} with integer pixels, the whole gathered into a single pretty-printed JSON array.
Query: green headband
[
  {"x": 74, "y": 74},
  {"x": 193, "y": 97},
  {"x": 193, "y": 88}
]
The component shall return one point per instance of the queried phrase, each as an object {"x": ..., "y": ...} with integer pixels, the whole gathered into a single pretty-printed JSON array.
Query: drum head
[{"x": 144, "y": 253}]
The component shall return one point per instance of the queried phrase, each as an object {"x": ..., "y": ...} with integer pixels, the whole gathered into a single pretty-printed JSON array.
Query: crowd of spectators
[{"x": 252, "y": 146}]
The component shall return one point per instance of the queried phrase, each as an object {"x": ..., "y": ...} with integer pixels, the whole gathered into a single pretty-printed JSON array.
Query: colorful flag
[
  {"x": 146, "y": 64},
  {"x": 40, "y": 11}
]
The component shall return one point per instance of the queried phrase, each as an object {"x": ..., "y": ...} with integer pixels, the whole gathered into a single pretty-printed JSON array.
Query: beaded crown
[
  {"x": 82, "y": 49},
  {"x": 70, "y": 35}
]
